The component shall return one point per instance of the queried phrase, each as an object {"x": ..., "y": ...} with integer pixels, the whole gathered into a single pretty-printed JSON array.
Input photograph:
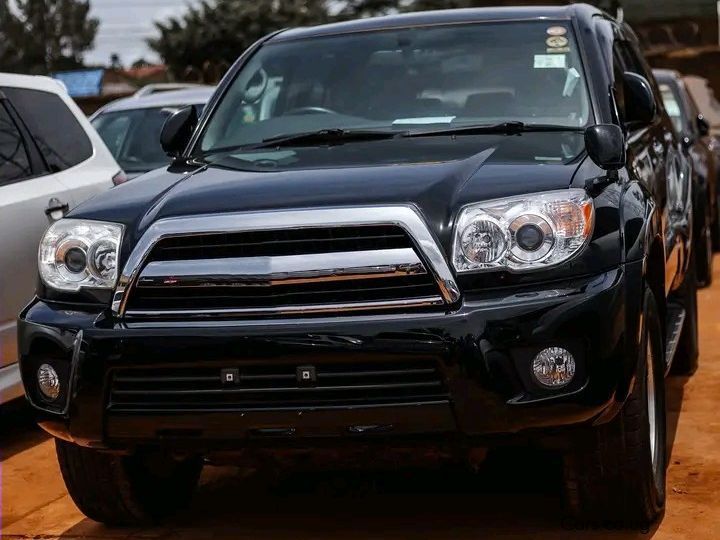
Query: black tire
[
  {"x": 126, "y": 490},
  {"x": 609, "y": 473},
  {"x": 687, "y": 353},
  {"x": 703, "y": 247}
]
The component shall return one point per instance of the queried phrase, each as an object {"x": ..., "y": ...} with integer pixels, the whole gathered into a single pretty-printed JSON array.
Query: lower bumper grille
[{"x": 275, "y": 386}]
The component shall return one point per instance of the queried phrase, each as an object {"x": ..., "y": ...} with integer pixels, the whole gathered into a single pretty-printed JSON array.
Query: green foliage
[
  {"x": 40, "y": 36},
  {"x": 202, "y": 43}
]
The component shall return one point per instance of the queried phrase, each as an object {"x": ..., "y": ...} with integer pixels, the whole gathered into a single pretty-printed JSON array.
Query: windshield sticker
[
  {"x": 556, "y": 41},
  {"x": 549, "y": 61},
  {"x": 557, "y": 31},
  {"x": 425, "y": 120}
]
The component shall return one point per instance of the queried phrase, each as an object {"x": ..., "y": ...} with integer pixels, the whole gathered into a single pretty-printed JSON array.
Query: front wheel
[
  {"x": 616, "y": 472},
  {"x": 126, "y": 490}
]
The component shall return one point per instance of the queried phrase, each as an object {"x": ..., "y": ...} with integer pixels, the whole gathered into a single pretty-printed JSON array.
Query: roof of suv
[
  {"x": 188, "y": 96},
  {"x": 448, "y": 16},
  {"x": 667, "y": 74},
  {"x": 34, "y": 82}
]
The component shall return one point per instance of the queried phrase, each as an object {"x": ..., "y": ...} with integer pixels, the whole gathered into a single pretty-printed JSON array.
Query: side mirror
[
  {"x": 703, "y": 125},
  {"x": 605, "y": 144},
  {"x": 640, "y": 105},
  {"x": 177, "y": 130}
]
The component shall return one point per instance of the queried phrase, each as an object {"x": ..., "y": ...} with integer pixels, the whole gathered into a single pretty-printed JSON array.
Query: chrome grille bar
[
  {"x": 313, "y": 309},
  {"x": 288, "y": 269},
  {"x": 403, "y": 216}
]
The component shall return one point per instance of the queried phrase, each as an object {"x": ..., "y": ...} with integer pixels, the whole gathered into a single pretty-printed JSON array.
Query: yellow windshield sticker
[{"x": 556, "y": 41}]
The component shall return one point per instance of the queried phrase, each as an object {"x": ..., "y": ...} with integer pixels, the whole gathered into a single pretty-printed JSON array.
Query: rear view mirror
[
  {"x": 605, "y": 144},
  {"x": 640, "y": 105},
  {"x": 177, "y": 130},
  {"x": 703, "y": 125}
]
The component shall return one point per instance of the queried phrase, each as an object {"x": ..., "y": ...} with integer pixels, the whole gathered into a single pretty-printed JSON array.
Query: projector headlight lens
[
  {"x": 76, "y": 253},
  {"x": 523, "y": 233}
]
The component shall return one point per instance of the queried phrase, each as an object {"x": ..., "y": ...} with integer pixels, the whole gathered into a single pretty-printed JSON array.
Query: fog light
[
  {"x": 48, "y": 381},
  {"x": 554, "y": 367}
]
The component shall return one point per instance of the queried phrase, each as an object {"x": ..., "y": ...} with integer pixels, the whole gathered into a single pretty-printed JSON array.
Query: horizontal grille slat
[
  {"x": 264, "y": 296},
  {"x": 220, "y": 406},
  {"x": 275, "y": 386},
  {"x": 280, "y": 242},
  {"x": 279, "y": 389},
  {"x": 283, "y": 272}
]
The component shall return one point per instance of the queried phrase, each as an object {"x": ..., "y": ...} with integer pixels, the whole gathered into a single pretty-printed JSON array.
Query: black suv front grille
[
  {"x": 275, "y": 386},
  {"x": 232, "y": 274}
]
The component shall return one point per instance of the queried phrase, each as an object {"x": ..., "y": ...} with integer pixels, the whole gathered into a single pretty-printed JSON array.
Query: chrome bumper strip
[
  {"x": 404, "y": 216},
  {"x": 286, "y": 269}
]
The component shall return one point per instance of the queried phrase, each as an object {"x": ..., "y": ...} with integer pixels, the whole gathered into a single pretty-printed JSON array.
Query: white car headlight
[
  {"x": 78, "y": 253},
  {"x": 523, "y": 233}
]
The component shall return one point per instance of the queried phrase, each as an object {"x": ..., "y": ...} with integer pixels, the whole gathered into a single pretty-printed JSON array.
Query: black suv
[
  {"x": 443, "y": 230},
  {"x": 701, "y": 148}
]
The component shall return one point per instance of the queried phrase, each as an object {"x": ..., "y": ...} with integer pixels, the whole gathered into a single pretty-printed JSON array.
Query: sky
[{"x": 124, "y": 26}]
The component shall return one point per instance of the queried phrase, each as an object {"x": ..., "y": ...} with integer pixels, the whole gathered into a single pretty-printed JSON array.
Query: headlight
[
  {"x": 76, "y": 253},
  {"x": 523, "y": 233}
]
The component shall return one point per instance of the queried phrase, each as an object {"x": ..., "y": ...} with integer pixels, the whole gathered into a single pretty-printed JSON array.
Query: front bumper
[{"x": 484, "y": 351}]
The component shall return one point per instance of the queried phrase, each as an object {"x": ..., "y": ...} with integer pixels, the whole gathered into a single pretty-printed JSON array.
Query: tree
[
  {"x": 41, "y": 36},
  {"x": 209, "y": 37},
  {"x": 353, "y": 9}
]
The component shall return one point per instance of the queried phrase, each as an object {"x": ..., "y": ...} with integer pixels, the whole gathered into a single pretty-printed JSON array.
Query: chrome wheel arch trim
[{"x": 405, "y": 216}]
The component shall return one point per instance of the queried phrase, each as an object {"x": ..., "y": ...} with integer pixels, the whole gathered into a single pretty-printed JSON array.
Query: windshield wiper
[
  {"x": 332, "y": 135},
  {"x": 507, "y": 128},
  {"x": 341, "y": 135},
  {"x": 328, "y": 135}
]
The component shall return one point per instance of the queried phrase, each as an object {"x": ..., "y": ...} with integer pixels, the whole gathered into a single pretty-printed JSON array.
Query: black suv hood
[{"x": 497, "y": 166}]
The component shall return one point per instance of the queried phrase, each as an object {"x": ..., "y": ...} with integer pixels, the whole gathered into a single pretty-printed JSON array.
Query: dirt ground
[{"x": 517, "y": 494}]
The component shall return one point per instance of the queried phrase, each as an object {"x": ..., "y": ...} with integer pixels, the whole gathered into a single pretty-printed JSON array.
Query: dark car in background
[
  {"x": 131, "y": 126},
  {"x": 405, "y": 238},
  {"x": 704, "y": 97},
  {"x": 694, "y": 132}
]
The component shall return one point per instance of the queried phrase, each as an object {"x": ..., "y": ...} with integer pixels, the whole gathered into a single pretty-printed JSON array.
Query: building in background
[
  {"x": 93, "y": 88},
  {"x": 679, "y": 34}
]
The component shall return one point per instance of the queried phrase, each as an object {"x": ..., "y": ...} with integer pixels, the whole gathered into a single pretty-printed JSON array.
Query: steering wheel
[{"x": 311, "y": 110}]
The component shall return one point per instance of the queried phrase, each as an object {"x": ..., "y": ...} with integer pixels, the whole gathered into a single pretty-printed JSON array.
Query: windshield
[
  {"x": 133, "y": 137},
  {"x": 403, "y": 78}
]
